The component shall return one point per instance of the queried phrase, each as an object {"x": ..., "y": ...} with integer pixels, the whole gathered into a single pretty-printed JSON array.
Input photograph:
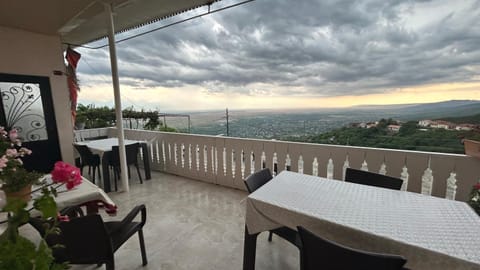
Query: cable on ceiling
[{"x": 164, "y": 26}]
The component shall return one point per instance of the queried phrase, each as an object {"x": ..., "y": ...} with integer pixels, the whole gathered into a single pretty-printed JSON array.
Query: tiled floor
[{"x": 193, "y": 225}]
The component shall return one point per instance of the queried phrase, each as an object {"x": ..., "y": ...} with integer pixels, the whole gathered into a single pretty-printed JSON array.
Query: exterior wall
[{"x": 27, "y": 53}]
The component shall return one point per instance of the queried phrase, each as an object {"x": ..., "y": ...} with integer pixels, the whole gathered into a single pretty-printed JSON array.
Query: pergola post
[{"x": 116, "y": 92}]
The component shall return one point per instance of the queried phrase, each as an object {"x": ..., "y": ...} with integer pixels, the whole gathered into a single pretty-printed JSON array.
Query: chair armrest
[{"x": 131, "y": 216}]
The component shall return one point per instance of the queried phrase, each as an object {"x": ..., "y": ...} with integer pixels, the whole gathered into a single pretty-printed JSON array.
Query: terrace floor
[{"x": 193, "y": 225}]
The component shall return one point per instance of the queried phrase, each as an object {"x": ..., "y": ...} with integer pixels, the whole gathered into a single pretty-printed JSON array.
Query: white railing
[
  {"x": 227, "y": 161},
  {"x": 87, "y": 134}
]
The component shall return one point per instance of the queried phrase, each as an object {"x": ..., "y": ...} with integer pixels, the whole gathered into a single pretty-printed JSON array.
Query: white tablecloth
[
  {"x": 104, "y": 145},
  {"x": 432, "y": 233},
  {"x": 83, "y": 193}
]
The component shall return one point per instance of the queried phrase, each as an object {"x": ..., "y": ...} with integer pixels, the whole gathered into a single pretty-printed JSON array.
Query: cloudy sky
[{"x": 296, "y": 54}]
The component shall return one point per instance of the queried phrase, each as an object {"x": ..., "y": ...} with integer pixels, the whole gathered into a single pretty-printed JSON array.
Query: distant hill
[
  {"x": 472, "y": 119},
  {"x": 454, "y": 108},
  {"x": 437, "y": 110}
]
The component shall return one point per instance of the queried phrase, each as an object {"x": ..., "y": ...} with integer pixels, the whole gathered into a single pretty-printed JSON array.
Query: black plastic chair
[
  {"x": 87, "y": 239},
  {"x": 131, "y": 151},
  {"x": 318, "y": 253},
  {"x": 255, "y": 181},
  {"x": 87, "y": 158},
  {"x": 372, "y": 179}
]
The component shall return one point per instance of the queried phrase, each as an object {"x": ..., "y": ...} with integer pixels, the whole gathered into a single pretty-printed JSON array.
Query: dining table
[
  {"x": 103, "y": 148},
  {"x": 87, "y": 195},
  {"x": 430, "y": 232}
]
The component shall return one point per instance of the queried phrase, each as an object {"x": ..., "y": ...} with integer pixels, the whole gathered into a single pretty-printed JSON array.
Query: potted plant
[
  {"x": 80, "y": 121},
  {"x": 16, "y": 251},
  {"x": 15, "y": 180}
]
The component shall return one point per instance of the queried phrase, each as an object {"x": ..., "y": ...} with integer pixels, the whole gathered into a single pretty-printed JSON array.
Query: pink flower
[
  {"x": 3, "y": 132},
  {"x": 24, "y": 151},
  {"x": 477, "y": 186},
  {"x": 66, "y": 173},
  {"x": 3, "y": 162},
  {"x": 11, "y": 152},
  {"x": 13, "y": 135}
]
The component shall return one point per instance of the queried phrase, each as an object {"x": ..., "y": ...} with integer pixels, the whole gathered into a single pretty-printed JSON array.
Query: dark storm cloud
[{"x": 327, "y": 47}]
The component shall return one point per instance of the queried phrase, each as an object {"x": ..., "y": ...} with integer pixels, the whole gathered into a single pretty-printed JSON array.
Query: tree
[{"x": 408, "y": 128}]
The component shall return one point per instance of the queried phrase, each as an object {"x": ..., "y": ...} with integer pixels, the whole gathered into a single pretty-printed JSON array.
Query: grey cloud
[{"x": 327, "y": 47}]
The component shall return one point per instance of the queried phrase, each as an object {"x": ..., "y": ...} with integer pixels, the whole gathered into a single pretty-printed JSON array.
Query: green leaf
[
  {"x": 44, "y": 257},
  {"x": 18, "y": 254},
  {"x": 47, "y": 206}
]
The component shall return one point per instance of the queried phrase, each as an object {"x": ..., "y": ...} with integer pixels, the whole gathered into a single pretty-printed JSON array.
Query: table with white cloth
[
  {"x": 86, "y": 193},
  {"x": 103, "y": 148},
  {"x": 430, "y": 232}
]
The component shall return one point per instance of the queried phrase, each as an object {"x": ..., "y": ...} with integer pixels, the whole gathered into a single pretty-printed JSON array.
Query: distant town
[{"x": 423, "y": 124}]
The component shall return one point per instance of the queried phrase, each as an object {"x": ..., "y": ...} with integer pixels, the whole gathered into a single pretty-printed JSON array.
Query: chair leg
[
  {"x": 142, "y": 247},
  {"x": 93, "y": 176},
  {"x": 110, "y": 265},
  {"x": 99, "y": 174},
  {"x": 270, "y": 236},
  {"x": 115, "y": 177},
  {"x": 139, "y": 175}
]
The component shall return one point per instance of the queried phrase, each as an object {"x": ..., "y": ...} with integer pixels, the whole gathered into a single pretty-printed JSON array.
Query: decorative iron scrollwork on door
[{"x": 22, "y": 105}]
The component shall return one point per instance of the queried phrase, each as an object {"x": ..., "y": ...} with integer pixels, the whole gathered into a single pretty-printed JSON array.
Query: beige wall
[{"x": 28, "y": 53}]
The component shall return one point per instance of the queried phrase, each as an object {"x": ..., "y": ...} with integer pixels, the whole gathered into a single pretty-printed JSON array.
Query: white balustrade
[
  {"x": 383, "y": 169},
  {"x": 300, "y": 164},
  {"x": 330, "y": 169},
  {"x": 185, "y": 154}
]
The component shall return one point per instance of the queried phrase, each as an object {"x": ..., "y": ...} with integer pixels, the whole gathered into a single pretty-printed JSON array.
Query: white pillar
[{"x": 116, "y": 92}]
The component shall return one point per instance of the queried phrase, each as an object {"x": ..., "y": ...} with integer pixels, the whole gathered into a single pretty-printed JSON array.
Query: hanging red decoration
[{"x": 72, "y": 58}]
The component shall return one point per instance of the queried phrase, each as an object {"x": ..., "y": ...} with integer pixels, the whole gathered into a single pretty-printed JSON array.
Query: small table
[
  {"x": 103, "y": 148},
  {"x": 430, "y": 232},
  {"x": 87, "y": 194}
]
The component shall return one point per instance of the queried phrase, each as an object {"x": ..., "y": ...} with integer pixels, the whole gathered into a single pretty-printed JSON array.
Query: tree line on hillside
[
  {"x": 472, "y": 119},
  {"x": 409, "y": 137},
  {"x": 99, "y": 117}
]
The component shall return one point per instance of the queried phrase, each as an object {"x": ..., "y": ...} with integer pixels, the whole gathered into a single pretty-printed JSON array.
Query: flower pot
[
  {"x": 472, "y": 148},
  {"x": 23, "y": 194}
]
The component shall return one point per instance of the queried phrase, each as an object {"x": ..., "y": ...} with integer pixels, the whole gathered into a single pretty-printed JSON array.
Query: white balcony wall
[
  {"x": 227, "y": 161},
  {"x": 27, "y": 53}
]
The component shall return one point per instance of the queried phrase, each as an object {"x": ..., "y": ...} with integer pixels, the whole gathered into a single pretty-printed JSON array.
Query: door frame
[{"x": 47, "y": 103}]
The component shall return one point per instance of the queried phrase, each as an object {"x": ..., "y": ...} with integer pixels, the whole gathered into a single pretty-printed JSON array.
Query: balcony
[
  {"x": 227, "y": 161},
  {"x": 197, "y": 225},
  {"x": 192, "y": 225}
]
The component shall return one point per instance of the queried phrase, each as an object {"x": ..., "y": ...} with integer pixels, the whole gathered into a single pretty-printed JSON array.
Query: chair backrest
[
  {"x": 83, "y": 240},
  {"x": 318, "y": 253},
  {"x": 372, "y": 179},
  {"x": 85, "y": 154},
  {"x": 258, "y": 179},
  {"x": 131, "y": 151}
]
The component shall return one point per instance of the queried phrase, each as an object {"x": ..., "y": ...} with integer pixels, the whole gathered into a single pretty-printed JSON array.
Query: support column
[{"x": 116, "y": 92}]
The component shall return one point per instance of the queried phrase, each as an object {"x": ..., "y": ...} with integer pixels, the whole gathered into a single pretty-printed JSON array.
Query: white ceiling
[{"x": 82, "y": 21}]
